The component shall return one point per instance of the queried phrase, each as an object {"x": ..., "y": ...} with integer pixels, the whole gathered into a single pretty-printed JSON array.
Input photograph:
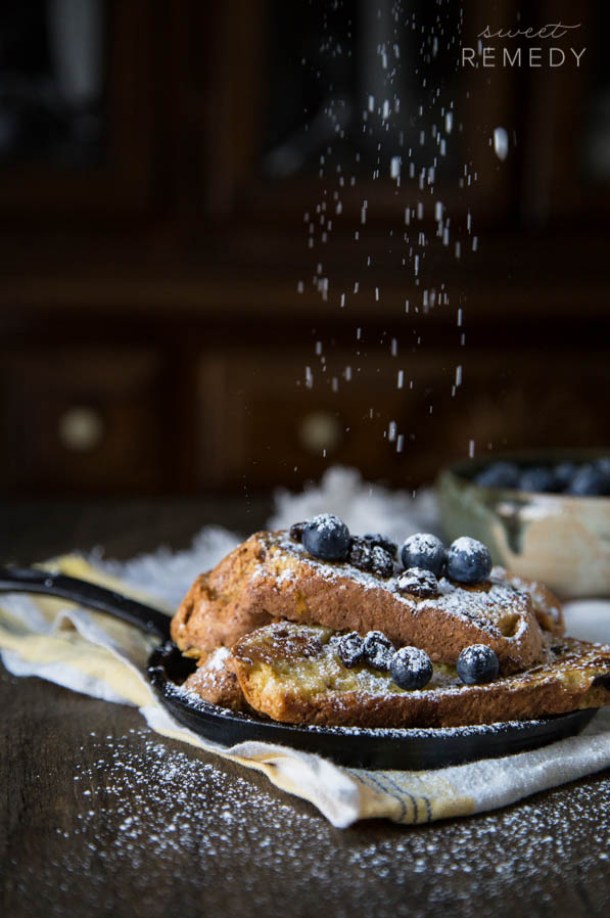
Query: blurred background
[{"x": 244, "y": 240}]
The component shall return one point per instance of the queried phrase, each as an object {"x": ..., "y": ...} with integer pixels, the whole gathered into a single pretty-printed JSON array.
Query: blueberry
[
  {"x": 411, "y": 668},
  {"x": 539, "y": 480},
  {"x": 296, "y": 531},
  {"x": 381, "y": 562},
  {"x": 603, "y": 468},
  {"x": 477, "y": 663},
  {"x": 360, "y": 554},
  {"x": 564, "y": 473},
  {"x": 603, "y": 465},
  {"x": 375, "y": 539},
  {"x": 423, "y": 550},
  {"x": 589, "y": 481},
  {"x": 378, "y": 650},
  {"x": 498, "y": 475},
  {"x": 418, "y": 582},
  {"x": 468, "y": 561},
  {"x": 327, "y": 537},
  {"x": 350, "y": 648}
]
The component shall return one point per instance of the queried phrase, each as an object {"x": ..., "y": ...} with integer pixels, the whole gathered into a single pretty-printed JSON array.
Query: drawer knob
[
  {"x": 320, "y": 431},
  {"x": 80, "y": 429}
]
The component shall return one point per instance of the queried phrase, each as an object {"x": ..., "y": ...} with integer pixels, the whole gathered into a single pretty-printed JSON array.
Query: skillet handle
[{"x": 32, "y": 580}]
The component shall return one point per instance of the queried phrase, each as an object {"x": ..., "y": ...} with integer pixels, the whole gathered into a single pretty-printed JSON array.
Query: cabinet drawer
[
  {"x": 264, "y": 420},
  {"x": 261, "y": 425},
  {"x": 82, "y": 419}
]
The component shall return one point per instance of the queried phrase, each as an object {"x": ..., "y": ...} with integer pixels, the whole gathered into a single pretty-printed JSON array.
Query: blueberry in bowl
[
  {"x": 585, "y": 478},
  {"x": 499, "y": 474},
  {"x": 541, "y": 480},
  {"x": 544, "y": 515},
  {"x": 590, "y": 480}
]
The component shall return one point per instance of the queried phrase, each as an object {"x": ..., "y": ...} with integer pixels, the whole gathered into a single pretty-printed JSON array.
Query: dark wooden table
[{"x": 99, "y": 816}]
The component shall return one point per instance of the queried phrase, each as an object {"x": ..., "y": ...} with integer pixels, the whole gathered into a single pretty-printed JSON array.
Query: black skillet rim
[{"x": 356, "y": 747}]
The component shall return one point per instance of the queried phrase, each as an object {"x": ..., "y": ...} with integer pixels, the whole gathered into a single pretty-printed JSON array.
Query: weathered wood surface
[{"x": 98, "y": 816}]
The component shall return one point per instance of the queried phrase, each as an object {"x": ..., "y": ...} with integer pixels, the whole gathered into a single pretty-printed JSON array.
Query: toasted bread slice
[
  {"x": 271, "y": 577},
  {"x": 293, "y": 673}
]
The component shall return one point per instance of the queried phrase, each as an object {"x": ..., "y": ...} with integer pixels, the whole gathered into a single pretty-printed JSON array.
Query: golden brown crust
[
  {"x": 217, "y": 610},
  {"x": 280, "y": 681},
  {"x": 215, "y": 680},
  {"x": 546, "y": 606},
  {"x": 268, "y": 578}
]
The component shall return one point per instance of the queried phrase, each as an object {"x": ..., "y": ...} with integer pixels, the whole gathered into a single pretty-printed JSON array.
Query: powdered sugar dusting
[
  {"x": 485, "y": 607},
  {"x": 164, "y": 807},
  {"x": 217, "y": 660},
  {"x": 540, "y": 597},
  {"x": 326, "y": 522}
]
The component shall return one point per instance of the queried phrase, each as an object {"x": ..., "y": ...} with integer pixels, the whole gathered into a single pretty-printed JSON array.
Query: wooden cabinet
[
  {"x": 525, "y": 400},
  {"x": 268, "y": 418},
  {"x": 239, "y": 180},
  {"x": 82, "y": 419},
  {"x": 566, "y": 161},
  {"x": 77, "y": 113},
  {"x": 280, "y": 416}
]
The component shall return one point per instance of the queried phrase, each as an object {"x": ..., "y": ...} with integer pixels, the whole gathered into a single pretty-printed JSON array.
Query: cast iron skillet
[{"x": 352, "y": 746}]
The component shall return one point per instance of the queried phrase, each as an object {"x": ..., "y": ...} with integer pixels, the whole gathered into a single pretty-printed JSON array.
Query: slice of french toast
[
  {"x": 272, "y": 577},
  {"x": 295, "y": 674}
]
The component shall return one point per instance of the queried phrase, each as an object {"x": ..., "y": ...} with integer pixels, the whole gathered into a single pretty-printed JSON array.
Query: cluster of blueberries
[
  {"x": 423, "y": 556},
  {"x": 580, "y": 479},
  {"x": 424, "y": 559},
  {"x": 411, "y": 667}
]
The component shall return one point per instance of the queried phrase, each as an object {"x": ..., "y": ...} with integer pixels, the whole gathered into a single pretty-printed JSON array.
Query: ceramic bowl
[{"x": 559, "y": 539}]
